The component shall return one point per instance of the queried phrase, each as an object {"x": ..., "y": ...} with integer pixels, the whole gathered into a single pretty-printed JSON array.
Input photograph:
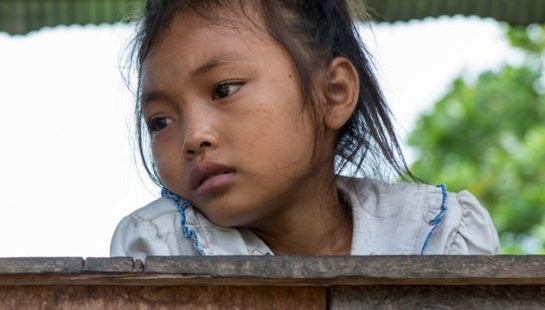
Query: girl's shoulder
[
  {"x": 164, "y": 228},
  {"x": 150, "y": 230},
  {"x": 389, "y": 219},
  {"x": 407, "y": 218}
]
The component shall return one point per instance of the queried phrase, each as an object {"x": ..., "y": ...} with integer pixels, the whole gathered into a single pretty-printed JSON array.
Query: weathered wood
[
  {"x": 277, "y": 271},
  {"x": 39, "y": 265},
  {"x": 438, "y": 282},
  {"x": 112, "y": 264},
  {"x": 361, "y": 270},
  {"x": 196, "y": 297},
  {"x": 437, "y": 297},
  {"x": 375, "y": 268}
]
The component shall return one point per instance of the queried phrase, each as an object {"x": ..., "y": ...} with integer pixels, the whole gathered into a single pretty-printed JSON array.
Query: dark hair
[{"x": 313, "y": 32}]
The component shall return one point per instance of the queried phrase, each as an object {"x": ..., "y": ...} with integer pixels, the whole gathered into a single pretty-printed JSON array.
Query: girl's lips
[{"x": 208, "y": 176}]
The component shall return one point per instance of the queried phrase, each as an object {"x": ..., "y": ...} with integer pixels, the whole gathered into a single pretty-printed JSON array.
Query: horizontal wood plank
[
  {"x": 437, "y": 297},
  {"x": 277, "y": 271},
  {"x": 166, "y": 297},
  {"x": 283, "y": 282}
]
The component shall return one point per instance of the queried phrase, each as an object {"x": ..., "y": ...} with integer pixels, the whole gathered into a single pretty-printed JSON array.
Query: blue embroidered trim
[
  {"x": 436, "y": 221},
  {"x": 182, "y": 205}
]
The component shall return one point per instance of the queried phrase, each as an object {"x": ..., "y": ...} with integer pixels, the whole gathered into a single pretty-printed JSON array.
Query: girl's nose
[
  {"x": 198, "y": 137},
  {"x": 196, "y": 146}
]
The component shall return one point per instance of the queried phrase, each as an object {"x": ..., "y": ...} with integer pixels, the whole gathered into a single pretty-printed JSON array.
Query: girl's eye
[
  {"x": 223, "y": 90},
  {"x": 158, "y": 123}
]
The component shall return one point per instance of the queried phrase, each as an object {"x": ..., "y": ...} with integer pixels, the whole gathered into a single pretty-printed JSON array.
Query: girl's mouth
[{"x": 209, "y": 177}]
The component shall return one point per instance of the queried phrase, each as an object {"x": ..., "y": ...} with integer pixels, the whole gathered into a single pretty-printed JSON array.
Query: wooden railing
[{"x": 438, "y": 282}]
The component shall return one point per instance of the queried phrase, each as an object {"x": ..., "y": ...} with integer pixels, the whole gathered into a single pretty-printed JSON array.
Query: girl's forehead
[
  {"x": 196, "y": 37},
  {"x": 193, "y": 45},
  {"x": 221, "y": 19}
]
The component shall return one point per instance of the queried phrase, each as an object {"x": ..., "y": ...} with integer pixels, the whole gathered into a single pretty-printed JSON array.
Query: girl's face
[{"x": 229, "y": 130}]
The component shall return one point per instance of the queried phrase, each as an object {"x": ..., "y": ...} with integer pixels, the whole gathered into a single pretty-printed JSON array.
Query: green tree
[{"x": 489, "y": 136}]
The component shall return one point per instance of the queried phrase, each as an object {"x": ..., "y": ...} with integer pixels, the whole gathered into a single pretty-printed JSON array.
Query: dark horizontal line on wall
[
  {"x": 515, "y": 12},
  {"x": 23, "y": 16}
]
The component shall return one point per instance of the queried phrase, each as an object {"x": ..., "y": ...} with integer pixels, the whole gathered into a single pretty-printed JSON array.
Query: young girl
[{"x": 252, "y": 109}]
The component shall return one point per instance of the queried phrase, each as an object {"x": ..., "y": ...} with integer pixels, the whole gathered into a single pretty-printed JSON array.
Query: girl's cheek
[{"x": 161, "y": 159}]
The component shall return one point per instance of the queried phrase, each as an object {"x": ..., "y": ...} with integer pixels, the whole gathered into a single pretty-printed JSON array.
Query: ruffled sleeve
[
  {"x": 475, "y": 234},
  {"x": 150, "y": 231},
  {"x": 136, "y": 238}
]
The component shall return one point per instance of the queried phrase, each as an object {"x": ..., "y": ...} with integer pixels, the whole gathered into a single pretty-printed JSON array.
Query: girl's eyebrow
[
  {"x": 147, "y": 97},
  {"x": 218, "y": 60}
]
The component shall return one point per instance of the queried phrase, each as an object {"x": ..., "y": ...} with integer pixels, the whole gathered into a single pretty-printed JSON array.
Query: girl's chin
[{"x": 228, "y": 216}]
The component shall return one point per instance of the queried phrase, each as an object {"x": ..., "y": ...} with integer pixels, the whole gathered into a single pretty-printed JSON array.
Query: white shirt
[{"x": 389, "y": 219}]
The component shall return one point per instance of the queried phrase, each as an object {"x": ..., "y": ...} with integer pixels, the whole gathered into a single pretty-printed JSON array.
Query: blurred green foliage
[{"x": 488, "y": 136}]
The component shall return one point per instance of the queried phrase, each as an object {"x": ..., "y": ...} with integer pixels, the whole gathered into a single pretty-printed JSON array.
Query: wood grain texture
[
  {"x": 362, "y": 270},
  {"x": 391, "y": 282},
  {"x": 38, "y": 265},
  {"x": 112, "y": 264},
  {"x": 437, "y": 297},
  {"x": 277, "y": 271},
  {"x": 134, "y": 297}
]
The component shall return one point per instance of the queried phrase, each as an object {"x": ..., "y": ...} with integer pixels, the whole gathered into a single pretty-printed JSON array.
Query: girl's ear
[{"x": 341, "y": 94}]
